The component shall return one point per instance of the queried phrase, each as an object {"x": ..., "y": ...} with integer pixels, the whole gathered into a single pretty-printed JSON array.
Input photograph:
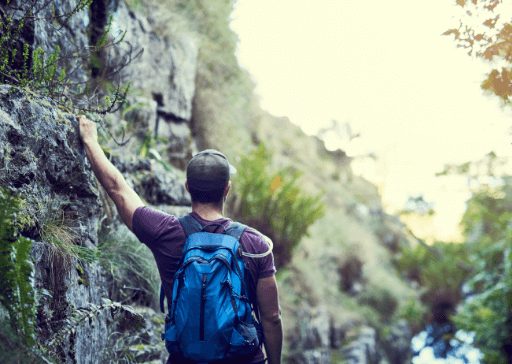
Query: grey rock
[
  {"x": 313, "y": 356},
  {"x": 337, "y": 334},
  {"x": 398, "y": 343},
  {"x": 178, "y": 134},
  {"x": 72, "y": 285},
  {"x": 166, "y": 69},
  {"x": 41, "y": 153},
  {"x": 362, "y": 350},
  {"x": 142, "y": 114},
  {"x": 310, "y": 340}
]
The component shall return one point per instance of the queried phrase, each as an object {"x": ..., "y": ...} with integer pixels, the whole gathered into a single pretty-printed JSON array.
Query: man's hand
[{"x": 88, "y": 130}]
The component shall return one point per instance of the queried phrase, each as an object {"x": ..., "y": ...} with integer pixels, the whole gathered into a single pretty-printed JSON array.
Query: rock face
[
  {"x": 166, "y": 70},
  {"x": 42, "y": 159}
]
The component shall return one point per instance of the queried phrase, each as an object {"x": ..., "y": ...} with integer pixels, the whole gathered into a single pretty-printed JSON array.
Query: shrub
[
  {"x": 415, "y": 314},
  {"x": 380, "y": 299},
  {"x": 274, "y": 203},
  {"x": 441, "y": 275}
]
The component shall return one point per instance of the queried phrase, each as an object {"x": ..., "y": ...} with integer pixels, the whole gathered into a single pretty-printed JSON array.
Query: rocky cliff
[{"x": 43, "y": 161}]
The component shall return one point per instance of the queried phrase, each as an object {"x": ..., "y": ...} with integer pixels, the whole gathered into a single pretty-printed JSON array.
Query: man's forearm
[
  {"x": 105, "y": 172},
  {"x": 273, "y": 333}
]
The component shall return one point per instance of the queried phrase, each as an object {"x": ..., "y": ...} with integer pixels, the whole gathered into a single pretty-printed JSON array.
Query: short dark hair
[{"x": 214, "y": 196}]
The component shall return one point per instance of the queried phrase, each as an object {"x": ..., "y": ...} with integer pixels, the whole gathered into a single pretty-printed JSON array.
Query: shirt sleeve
[
  {"x": 266, "y": 267},
  {"x": 150, "y": 225}
]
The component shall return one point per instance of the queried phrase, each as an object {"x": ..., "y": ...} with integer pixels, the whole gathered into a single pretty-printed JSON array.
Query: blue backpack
[{"x": 210, "y": 317}]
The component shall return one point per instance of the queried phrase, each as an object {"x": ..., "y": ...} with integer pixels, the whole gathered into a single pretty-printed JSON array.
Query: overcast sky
[{"x": 384, "y": 67}]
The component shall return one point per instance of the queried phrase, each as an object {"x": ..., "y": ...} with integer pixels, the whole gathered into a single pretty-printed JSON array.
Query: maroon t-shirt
[{"x": 164, "y": 236}]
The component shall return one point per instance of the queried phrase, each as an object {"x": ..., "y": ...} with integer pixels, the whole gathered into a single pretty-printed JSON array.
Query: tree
[{"x": 488, "y": 38}]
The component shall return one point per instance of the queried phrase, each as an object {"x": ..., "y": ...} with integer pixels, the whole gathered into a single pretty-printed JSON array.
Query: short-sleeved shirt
[{"x": 164, "y": 236}]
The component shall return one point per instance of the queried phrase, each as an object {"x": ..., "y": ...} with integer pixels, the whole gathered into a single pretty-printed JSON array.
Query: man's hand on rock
[{"x": 88, "y": 131}]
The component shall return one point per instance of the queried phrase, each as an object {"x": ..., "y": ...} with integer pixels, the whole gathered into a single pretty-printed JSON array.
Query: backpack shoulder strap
[
  {"x": 190, "y": 226},
  {"x": 235, "y": 229}
]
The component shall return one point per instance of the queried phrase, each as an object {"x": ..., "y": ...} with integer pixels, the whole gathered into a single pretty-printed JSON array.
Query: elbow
[{"x": 272, "y": 320}]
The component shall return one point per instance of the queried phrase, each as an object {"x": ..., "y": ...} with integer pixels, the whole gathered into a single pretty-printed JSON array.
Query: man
[{"x": 208, "y": 183}]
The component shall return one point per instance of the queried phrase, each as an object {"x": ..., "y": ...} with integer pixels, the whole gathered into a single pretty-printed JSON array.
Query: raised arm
[
  {"x": 270, "y": 315},
  {"x": 124, "y": 197}
]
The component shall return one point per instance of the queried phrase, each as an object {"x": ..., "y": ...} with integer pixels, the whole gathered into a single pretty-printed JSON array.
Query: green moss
[
  {"x": 158, "y": 320},
  {"x": 83, "y": 281},
  {"x": 80, "y": 270}
]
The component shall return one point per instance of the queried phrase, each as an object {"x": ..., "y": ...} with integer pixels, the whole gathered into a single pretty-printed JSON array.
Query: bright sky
[{"x": 384, "y": 67}]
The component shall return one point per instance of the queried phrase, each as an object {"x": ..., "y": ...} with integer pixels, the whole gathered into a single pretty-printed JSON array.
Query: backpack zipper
[{"x": 203, "y": 301}]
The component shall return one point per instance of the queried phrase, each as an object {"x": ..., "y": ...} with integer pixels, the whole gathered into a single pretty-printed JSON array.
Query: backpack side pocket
[
  {"x": 170, "y": 336},
  {"x": 244, "y": 339}
]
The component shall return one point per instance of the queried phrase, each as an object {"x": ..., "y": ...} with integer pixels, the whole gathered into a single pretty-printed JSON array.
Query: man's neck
[{"x": 208, "y": 212}]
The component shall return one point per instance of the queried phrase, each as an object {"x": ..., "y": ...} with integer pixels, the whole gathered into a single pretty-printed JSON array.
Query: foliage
[
  {"x": 490, "y": 40},
  {"x": 441, "y": 275},
  {"x": 54, "y": 74},
  {"x": 16, "y": 291},
  {"x": 52, "y": 221},
  {"x": 274, "y": 203},
  {"x": 414, "y": 313},
  {"x": 13, "y": 349},
  {"x": 488, "y": 311}
]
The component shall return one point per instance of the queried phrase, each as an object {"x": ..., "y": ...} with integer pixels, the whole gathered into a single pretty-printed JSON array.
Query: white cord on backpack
[{"x": 261, "y": 255}]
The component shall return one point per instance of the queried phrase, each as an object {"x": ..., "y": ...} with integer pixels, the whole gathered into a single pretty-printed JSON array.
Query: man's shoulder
[
  {"x": 149, "y": 222},
  {"x": 253, "y": 241}
]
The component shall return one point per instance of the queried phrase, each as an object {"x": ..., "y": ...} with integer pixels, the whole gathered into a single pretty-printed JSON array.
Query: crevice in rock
[
  {"x": 98, "y": 22},
  {"x": 159, "y": 98},
  {"x": 171, "y": 117}
]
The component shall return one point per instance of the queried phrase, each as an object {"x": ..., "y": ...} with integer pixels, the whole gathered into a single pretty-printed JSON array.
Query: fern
[{"x": 16, "y": 292}]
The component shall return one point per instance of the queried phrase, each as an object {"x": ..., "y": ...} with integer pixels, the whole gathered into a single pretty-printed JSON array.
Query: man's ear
[
  {"x": 226, "y": 190},
  {"x": 186, "y": 186}
]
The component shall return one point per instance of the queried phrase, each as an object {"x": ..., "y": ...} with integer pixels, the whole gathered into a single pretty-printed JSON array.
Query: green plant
[
  {"x": 274, "y": 203},
  {"x": 13, "y": 349},
  {"x": 440, "y": 274},
  {"x": 133, "y": 273},
  {"x": 54, "y": 225},
  {"x": 31, "y": 70},
  {"x": 16, "y": 291},
  {"x": 414, "y": 313},
  {"x": 488, "y": 313}
]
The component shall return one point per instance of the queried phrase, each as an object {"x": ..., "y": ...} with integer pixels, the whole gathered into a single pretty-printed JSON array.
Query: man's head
[{"x": 208, "y": 174}]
